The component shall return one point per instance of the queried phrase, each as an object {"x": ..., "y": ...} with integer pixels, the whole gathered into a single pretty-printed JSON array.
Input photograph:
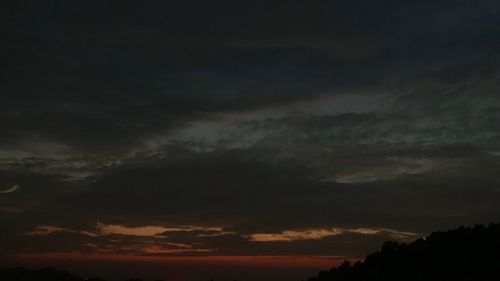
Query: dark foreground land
[{"x": 457, "y": 255}]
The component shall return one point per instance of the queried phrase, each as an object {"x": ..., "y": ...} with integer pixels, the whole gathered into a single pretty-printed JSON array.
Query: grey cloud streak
[{"x": 9, "y": 190}]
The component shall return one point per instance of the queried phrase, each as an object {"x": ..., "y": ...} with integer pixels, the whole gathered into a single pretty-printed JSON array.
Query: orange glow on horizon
[{"x": 250, "y": 261}]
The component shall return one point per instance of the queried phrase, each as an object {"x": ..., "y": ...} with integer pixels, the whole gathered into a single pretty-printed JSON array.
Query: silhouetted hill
[
  {"x": 461, "y": 254},
  {"x": 46, "y": 274}
]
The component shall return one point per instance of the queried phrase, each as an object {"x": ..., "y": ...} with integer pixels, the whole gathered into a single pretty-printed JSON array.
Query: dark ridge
[
  {"x": 466, "y": 253},
  {"x": 46, "y": 274}
]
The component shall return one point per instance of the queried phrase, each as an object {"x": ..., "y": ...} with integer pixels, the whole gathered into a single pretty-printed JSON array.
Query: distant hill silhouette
[
  {"x": 46, "y": 274},
  {"x": 462, "y": 254}
]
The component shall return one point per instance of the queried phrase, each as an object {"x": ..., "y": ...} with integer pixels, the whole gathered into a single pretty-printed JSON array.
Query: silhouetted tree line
[
  {"x": 462, "y": 254},
  {"x": 457, "y": 255}
]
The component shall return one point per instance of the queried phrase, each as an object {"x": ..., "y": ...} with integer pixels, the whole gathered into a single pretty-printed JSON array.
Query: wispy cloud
[
  {"x": 102, "y": 229},
  {"x": 10, "y": 190},
  {"x": 320, "y": 233},
  {"x": 147, "y": 247},
  {"x": 395, "y": 167},
  {"x": 47, "y": 229},
  {"x": 496, "y": 152},
  {"x": 396, "y": 234},
  {"x": 109, "y": 229},
  {"x": 292, "y": 235}
]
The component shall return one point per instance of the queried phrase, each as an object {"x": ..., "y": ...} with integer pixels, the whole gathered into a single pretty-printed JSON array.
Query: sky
[{"x": 242, "y": 140}]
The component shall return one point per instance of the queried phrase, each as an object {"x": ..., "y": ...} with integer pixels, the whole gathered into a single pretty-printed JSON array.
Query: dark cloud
[{"x": 100, "y": 75}]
